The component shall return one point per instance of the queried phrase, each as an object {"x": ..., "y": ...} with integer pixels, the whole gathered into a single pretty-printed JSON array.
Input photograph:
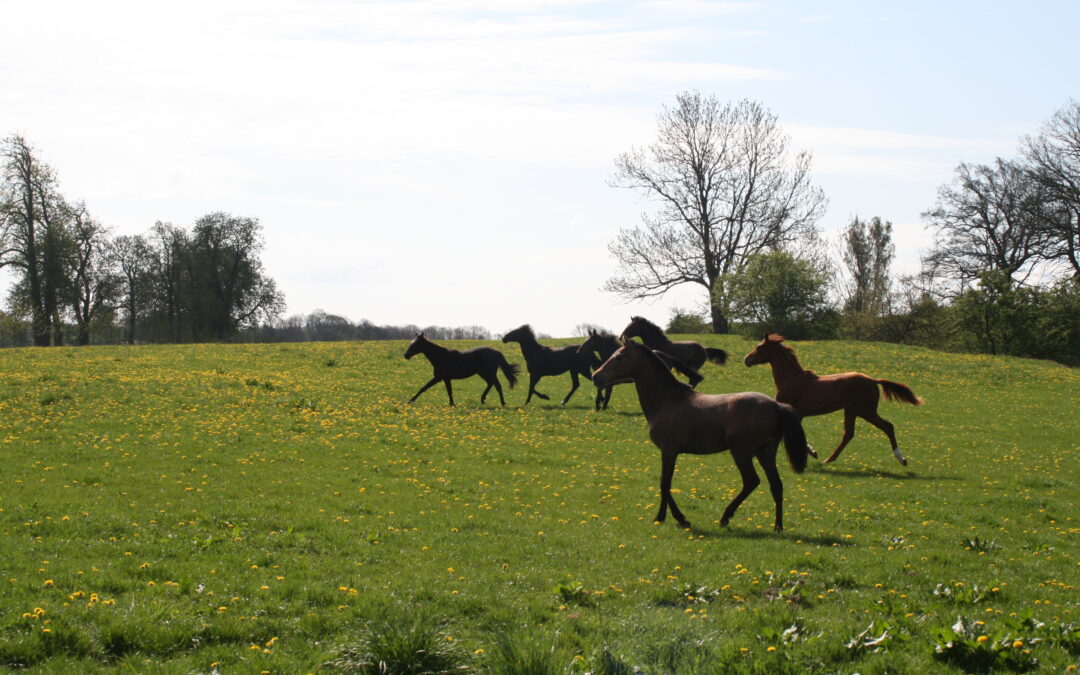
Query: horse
[
  {"x": 450, "y": 364},
  {"x": 812, "y": 394},
  {"x": 604, "y": 344},
  {"x": 688, "y": 352},
  {"x": 682, "y": 420},
  {"x": 542, "y": 361}
]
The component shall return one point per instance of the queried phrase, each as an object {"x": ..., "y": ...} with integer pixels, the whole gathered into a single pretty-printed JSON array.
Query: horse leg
[
  {"x": 533, "y": 379},
  {"x": 483, "y": 397},
  {"x": 744, "y": 462},
  {"x": 887, "y": 427},
  {"x": 667, "y": 470},
  {"x": 498, "y": 388},
  {"x": 449, "y": 390},
  {"x": 849, "y": 433},
  {"x": 424, "y": 388},
  {"x": 767, "y": 459},
  {"x": 607, "y": 397},
  {"x": 573, "y": 386}
]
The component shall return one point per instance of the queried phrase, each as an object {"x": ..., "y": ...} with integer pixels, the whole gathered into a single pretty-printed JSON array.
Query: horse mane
[
  {"x": 642, "y": 321},
  {"x": 789, "y": 351},
  {"x": 527, "y": 328}
]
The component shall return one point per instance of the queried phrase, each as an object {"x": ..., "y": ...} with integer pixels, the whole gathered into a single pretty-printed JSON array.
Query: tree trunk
[{"x": 719, "y": 321}]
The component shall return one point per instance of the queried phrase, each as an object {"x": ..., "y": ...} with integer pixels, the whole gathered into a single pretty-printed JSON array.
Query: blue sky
[{"x": 448, "y": 162}]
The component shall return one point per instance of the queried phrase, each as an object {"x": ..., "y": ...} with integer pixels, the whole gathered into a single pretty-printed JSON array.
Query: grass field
[{"x": 279, "y": 508}]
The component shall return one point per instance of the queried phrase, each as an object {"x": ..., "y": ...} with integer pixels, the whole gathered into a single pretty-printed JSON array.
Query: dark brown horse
[
  {"x": 604, "y": 344},
  {"x": 812, "y": 394},
  {"x": 450, "y": 364},
  {"x": 542, "y": 361},
  {"x": 693, "y": 354},
  {"x": 682, "y": 420}
]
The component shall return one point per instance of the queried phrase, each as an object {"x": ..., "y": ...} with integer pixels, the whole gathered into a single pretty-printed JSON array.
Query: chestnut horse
[
  {"x": 812, "y": 394},
  {"x": 604, "y": 344},
  {"x": 450, "y": 364},
  {"x": 688, "y": 352},
  {"x": 681, "y": 420}
]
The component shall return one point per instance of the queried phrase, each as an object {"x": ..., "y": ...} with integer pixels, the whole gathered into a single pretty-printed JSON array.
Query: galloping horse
[
  {"x": 604, "y": 344},
  {"x": 450, "y": 364},
  {"x": 682, "y": 420},
  {"x": 542, "y": 361},
  {"x": 688, "y": 352},
  {"x": 812, "y": 394}
]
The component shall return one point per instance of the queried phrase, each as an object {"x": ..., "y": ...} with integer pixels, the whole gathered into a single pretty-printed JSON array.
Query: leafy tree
[
  {"x": 727, "y": 187},
  {"x": 781, "y": 293},
  {"x": 227, "y": 287},
  {"x": 686, "y": 322}
]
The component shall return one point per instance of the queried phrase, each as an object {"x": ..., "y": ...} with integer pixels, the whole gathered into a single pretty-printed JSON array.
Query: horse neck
[
  {"x": 434, "y": 353},
  {"x": 785, "y": 365},
  {"x": 656, "y": 388},
  {"x": 655, "y": 338},
  {"x": 529, "y": 345},
  {"x": 605, "y": 348}
]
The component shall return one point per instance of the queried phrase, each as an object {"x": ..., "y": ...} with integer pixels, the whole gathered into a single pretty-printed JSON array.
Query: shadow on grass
[
  {"x": 874, "y": 473},
  {"x": 792, "y": 536}
]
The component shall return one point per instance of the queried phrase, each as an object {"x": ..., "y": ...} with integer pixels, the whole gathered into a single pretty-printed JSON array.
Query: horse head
[{"x": 765, "y": 351}]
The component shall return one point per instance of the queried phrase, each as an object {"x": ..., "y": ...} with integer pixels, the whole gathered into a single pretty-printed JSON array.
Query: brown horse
[
  {"x": 812, "y": 394},
  {"x": 688, "y": 352},
  {"x": 682, "y": 420}
]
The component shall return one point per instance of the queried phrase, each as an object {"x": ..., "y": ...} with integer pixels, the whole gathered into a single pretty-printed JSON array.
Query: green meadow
[{"x": 279, "y": 508}]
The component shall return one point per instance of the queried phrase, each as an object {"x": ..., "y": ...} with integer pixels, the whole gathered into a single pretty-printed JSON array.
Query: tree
[
  {"x": 1054, "y": 157},
  {"x": 685, "y": 322},
  {"x": 93, "y": 284},
  {"x": 778, "y": 292},
  {"x": 866, "y": 253},
  {"x": 34, "y": 219},
  {"x": 168, "y": 251},
  {"x": 726, "y": 186},
  {"x": 989, "y": 218},
  {"x": 227, "y": 287},
  {"x": 132, "y": 257}
]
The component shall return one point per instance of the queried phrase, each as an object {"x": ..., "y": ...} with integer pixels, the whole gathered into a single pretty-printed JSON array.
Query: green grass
[{"x": 269, "y": 507}]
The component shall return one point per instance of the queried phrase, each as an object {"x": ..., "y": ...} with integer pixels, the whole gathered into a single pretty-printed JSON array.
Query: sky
[{"x": 449, "y": 162}]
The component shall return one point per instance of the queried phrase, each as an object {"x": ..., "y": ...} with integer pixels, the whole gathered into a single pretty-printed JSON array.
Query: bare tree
[
  {"x": 93, "y": 284},
  {"x": 726, "y": 186},
  {"x": 989, "y": 218},
  {"x": 1054, "y": 156},
  {"x": 131, "y": 257}
]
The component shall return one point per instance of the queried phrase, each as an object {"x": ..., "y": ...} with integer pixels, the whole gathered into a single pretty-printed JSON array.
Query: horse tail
[
  {"x": 794, "y": 436},
  {"x": 894, "y": 391},
  {"x": 510, "y": 370},
  {"x": 717, "y": 356}
]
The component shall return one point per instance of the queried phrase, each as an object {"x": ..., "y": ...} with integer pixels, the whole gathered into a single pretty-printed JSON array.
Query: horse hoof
[
  {"x": 903, "y": 462},
  {"x": 810, "y": 451}
]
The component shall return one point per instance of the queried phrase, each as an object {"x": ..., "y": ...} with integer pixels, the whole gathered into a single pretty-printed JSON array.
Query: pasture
[{"x": 279, "y": 508}]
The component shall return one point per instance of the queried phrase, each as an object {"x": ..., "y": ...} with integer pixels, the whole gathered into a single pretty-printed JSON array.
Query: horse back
[
  {"x": 823, "y": 394},
  {"x": 703, "y": 424}
]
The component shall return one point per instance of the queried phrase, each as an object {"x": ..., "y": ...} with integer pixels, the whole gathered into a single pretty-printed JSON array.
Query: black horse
[
  {"x": 542, "y": 361},
  {"x": 690, "y": 353},
  {"x": 604, "y": 344},
  {"x": 450, "y": 364}
]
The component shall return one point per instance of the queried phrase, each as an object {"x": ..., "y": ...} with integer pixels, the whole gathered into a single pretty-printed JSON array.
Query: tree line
[
  {"x": 74, "y": 279},
  {"x": 736, "y": 214}
]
